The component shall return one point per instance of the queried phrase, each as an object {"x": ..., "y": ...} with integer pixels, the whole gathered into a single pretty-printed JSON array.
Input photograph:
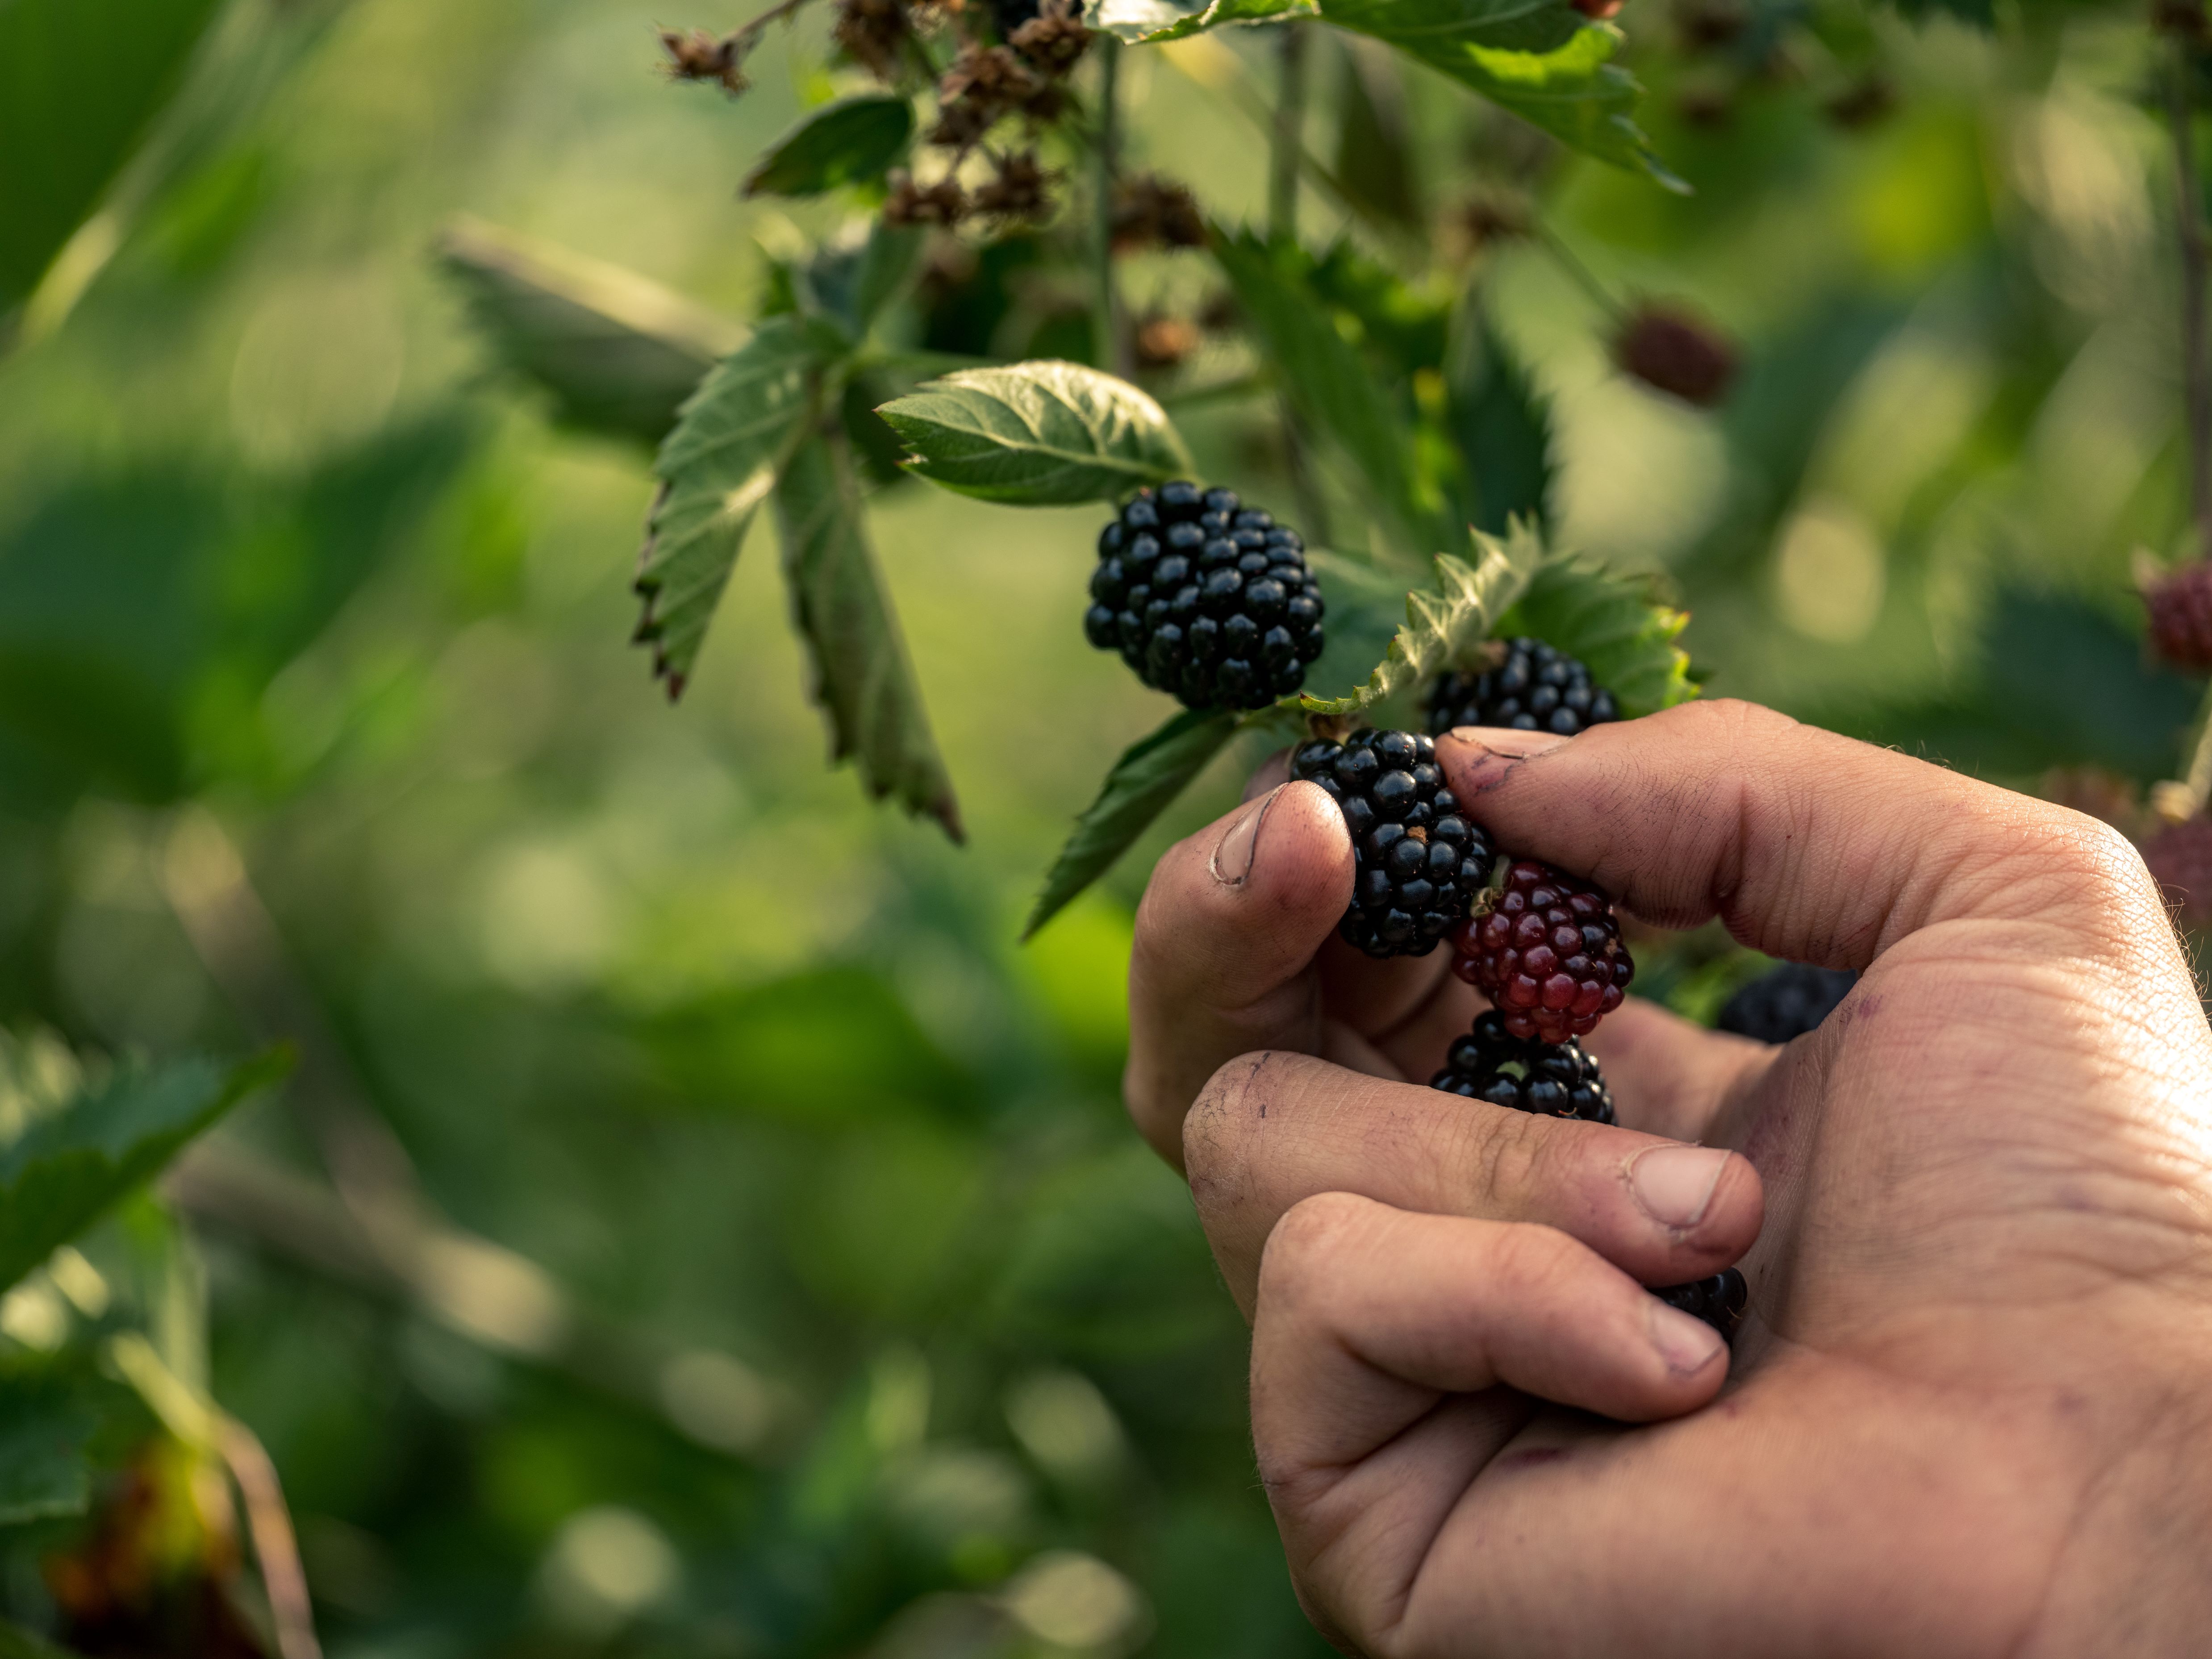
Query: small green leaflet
[
  {"x": 716, "y": 468},
  {"x": 1149, "y": 774},
  {"x": 619, "y": 354},
  {"x": 863, "y": 677},
  {"x": 1613, "y": 623},
  {"x": 1150, "y": 22},
  {"x": 852, "y": 142},
  {"x": 1443, "y": 624},
  {"x": 1040, "y": 433},
  {"x": 68, "y": 1167}
]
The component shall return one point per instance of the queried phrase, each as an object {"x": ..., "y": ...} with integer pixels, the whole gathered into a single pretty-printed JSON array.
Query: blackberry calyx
[
  {"x": 1785, "y": 1002},
  {"x": 1536, "y": 689},
  {"x": 1552, "y": 1079},
  {"x": 1417, "y": 862},
  {"x": 1206, "y": 598},
  {"x": 1546, "y": 951},
  {"x": 1719, "y": 1300}
]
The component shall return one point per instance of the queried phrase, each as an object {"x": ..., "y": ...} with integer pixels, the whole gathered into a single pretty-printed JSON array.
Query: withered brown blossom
[
  {"x": 1862, "y": 105},
  {"x": 1150, "y": 211},
  {"x": 989, "y": 74},
  {"x": 696, "y": 55},
  {"x": 1494, "y": 217},
  {"x": 873, "y": 33},
  {"x": 1019, "y": 189},
  {"x": 1054, "y": 38},
  {"x": 910, "y": 204},
  {"x": 1162, "y": 341}
]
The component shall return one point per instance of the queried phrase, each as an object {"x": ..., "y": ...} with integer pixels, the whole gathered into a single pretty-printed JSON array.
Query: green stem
[
  {"x": 1583, "y": 278},
  {"x": 1110, "y": 338},
  {"x": 1287, "y": 146}
]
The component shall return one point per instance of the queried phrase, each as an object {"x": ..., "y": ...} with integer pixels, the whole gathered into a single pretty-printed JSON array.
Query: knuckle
[
  {"x": 1303, "y": 1247},
  {"x": 1511, "y": 1152},
  {"x": 1217, "y": 1130}
]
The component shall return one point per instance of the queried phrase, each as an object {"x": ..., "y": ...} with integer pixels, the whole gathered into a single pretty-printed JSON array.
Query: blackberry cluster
[
  {"x": 2180, "y": 606},
  {"x": 1785, "y": 1002},
  {"x": 1552, "y": 1080},
  {"x": 1417, "y": 863},
  {"x": 1546, "y": 951},
  {"x": 1206, "y": 598},
  {"x": 1719, "y": 1301},
  {"x": 1535, "y": 688}
]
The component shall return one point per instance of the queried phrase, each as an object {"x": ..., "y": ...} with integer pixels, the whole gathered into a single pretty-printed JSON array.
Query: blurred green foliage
[{"x": 768, "y": 1268}]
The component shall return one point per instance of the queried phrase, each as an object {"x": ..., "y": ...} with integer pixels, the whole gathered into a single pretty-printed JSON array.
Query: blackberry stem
[{"x": 1110, "y": 339}]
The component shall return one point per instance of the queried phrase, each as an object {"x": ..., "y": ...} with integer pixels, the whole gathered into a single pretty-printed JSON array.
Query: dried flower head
[
  {"x": 1709, "y": 108},
  {"x": 699, "y": 56},
  {"x": 873, "y": 33},
  {"x": 1046, "y": 104},
  {"x": 1705, "y": 24},
  {"x": 2181, "y": 20},
  {"x": 1054, "y": 38},
  {"x": 910, "y": 204},
  {"x": 1863, "y": 103},
  {"x": 1018, "y": 189},
  {"x": 960, "y": 123},
  {"x": 1493, "y": 217},
  {"x": 1150, "y": 211},
  {"x": 989, "y": 74},
  {"x": 1161, "y": 341},
  {"x": 1675, "y": 353}
]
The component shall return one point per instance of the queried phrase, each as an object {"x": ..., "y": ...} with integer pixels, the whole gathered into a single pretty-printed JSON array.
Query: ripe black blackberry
[
  {"x": 1719, "y": 1300},
  {"x": 1535, "y": 688},
  {"x": 1417, "y": 863},
  {"x": 1785, "y": 1002},
  {"x": 1552, "y": 1080},
  {"x": 1206, "y": 598}
]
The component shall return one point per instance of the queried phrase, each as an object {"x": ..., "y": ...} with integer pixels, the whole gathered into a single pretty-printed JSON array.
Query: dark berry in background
[
  {"x": 1417, "y": 863},
  {"x": 1719, "y": 1301},
  {"x": 1209, "y": 601},
  {"x": 2180, "y": 607},
  {"x": 1552, "y": 1080},
  {"x": 1674, "y": 352},
  {"x": 1535, "y": 688},
  {"x": 1785, "y": 1002},
  {"x": 1546, "y": 949}
]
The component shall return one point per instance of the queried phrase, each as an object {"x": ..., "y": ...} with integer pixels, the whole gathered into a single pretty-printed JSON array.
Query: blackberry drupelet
[
  {"x": 1417, "y": 863},
  {"x": 1785, "y": 1002},
  {"x": 1546, "y": 951},
  {"x": 1206, "y": 598},
  {"x": 1552, "y": 1079},
  {"x": 1535, "y": 688},
  {"x": 1719, "y": 1300}
]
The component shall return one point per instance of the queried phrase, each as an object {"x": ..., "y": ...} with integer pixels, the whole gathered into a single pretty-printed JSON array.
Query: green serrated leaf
[
  {"x": 1150, "y": 774},
  {"x": 1443, "y": 623},
  {"x": 863, "y": 679},
  {"x": 849, "y": 283},
  {"x": 716, "y": 469},
  {"x": 1544, "y": 62},
  {"x": 1037, "y": 435},
  {"x": 1328, "y": 379},
  {"x": 81, "y": 82},
  {"x": 1151, "y": 22},
  {"x": 1503, "y": 426},
  {"x": 61, "y": 1173},
  {"x": 1614, "y": 624},
  {"x": 853, "y": 141},
  {"x": 618, "y": 353}
]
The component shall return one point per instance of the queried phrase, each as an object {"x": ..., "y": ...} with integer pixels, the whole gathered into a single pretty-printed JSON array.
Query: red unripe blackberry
[
  {"x": 2180, "y": 608},
  {"x": 1537, "y": 688},
  {"x": 1673, "y": 352},
  {"x": 1209, "y": 601},
  {"x": 1546, "y": 951},
  {"x": 2180, "y": 858},
  {"x": 1552, "y": 1079},
  {"x": 1417, "y": 863},
  {"x": 1719, "y": 1300}
]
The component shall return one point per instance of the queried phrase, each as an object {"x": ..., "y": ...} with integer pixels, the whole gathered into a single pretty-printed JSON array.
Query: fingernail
[
  {"x": 1687, "y": 1344},
  {"x": 1239, "y": 846},
  {"x": 1508, "y": 742},
  {"x": 1675, "y": 1184}
]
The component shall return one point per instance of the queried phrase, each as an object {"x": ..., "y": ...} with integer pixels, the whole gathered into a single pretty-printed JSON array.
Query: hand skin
[{"x": 1970, "y": 1412}]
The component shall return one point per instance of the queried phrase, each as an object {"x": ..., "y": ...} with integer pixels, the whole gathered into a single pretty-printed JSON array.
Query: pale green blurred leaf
[
  {"x": 1614, "y": 624},
  {"x": 48, "y": 1419},
  {"x": 1149, "y": 774},
  {"x": 862, "y": 677},
  {"x": 853, "y": 141},
  {"x": 716, "y": 469},
  {"x": 1036, "y": 434},
  {"x": 619, "y": 354},
  {"x": 1154, "y": 20}
]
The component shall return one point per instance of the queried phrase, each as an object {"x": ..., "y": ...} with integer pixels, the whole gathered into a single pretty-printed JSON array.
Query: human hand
[{"x": 1962, "y": 1415}]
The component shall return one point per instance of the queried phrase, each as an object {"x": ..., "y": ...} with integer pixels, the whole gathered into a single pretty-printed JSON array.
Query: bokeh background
[{"x": 696, "y": 1227}]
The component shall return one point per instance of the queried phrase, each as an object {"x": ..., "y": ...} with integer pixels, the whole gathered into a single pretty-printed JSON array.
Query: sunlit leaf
[
  {"x": 81, "y": 81},
  {"x": 619, "y": 354},
  {"x": 716, "y": 469},
  {"x": 1443, "y": 623},
  {"x": 1614, "y": 624},
  {"x": 1149, "y": 775},
  {"x": 66, "y": 1169},
  {"x": 1036, "y": 434},
  {"x": 853, "y": 141},
  {"x": 863, "y": 677},
  {"x": 1154, "y": 20}
]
